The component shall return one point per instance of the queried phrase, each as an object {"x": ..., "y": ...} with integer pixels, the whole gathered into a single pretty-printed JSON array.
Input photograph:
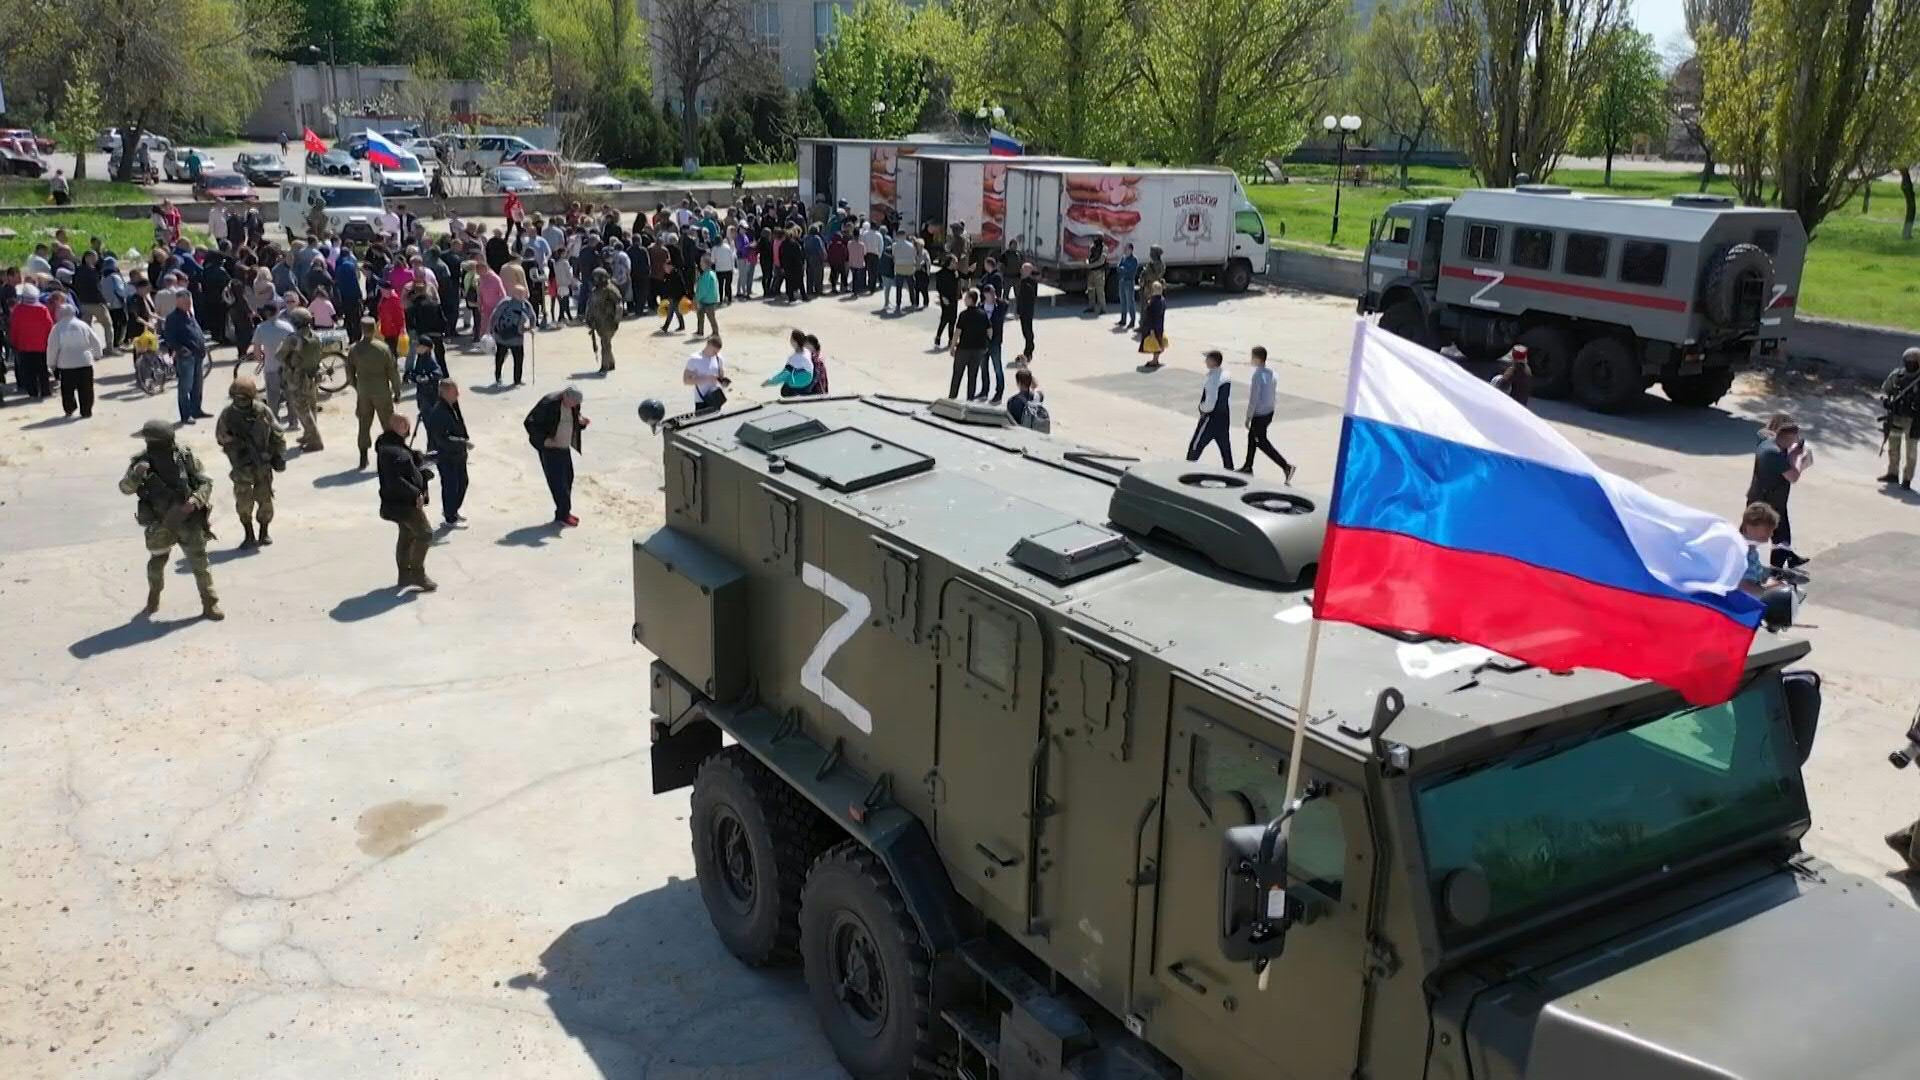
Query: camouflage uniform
[
  {"x": 376, "y": 382},
  {"x": 302, "y": 375},
  {"x": 166, "y": 476},
  {"x": 603, "y": 315},
  {"x": 255, "y": 448}
]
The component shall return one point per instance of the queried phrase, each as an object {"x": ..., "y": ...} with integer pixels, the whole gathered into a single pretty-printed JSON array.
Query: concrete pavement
[{"x": 345, "y": 833}]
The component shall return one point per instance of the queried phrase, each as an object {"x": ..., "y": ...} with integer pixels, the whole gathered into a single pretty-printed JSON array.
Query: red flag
[{"x": 314, "y": 144}]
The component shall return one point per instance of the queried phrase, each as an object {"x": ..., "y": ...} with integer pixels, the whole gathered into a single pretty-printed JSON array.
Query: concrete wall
[
  {"x": 301, "y": 95},
  {"x": 1870, "y": 351}
]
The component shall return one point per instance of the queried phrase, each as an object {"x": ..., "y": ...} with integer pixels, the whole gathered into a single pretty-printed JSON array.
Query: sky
[{"x": 1662, "y": 19}]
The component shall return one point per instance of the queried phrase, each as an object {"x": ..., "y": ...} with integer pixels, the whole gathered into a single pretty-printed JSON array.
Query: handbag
[
  {"x": 712, "y": 402},
  {"x": 1153, "y": 343}
]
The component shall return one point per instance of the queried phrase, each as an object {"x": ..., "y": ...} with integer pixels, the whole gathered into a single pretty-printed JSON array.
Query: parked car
[
  {"x": 334, "y": 162},
  {"x": 223, "y": 185},
  {"x": 475, "y": 154},
  {"x": 265, "y": 170},
  {"x": 505, "y": 178},
  {"x": 352, "y": 207},
  {"x": 174, "y": 166},
  {"x": 18, "y": 158},
  {"x": 41, "y": 146},
  {"x": 407, "y": 179},
  {"x": 426, "y": 150},
  {"x": 593, "y": 176},
  {"x": 544, "y": 164},
  {"x": 109, "y": 141}
]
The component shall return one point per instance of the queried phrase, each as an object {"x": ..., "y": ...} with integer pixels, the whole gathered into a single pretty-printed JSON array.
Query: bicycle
[{"x": 155, "y": 367}]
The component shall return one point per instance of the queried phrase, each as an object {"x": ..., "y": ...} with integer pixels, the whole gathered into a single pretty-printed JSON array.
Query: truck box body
[
  {"x": 938, "y": 189},
  {"x": 863, "y": 172},
  {"x": 1055, "y": 211}
]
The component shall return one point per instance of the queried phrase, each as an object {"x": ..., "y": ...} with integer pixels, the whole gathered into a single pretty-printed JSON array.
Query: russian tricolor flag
[
  {"x": 1457, "y": 512},
  {"x": 1001, "y": 144},
  {"x": 381, "y": 152}
]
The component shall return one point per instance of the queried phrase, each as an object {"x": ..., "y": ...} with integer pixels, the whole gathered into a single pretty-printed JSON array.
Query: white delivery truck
[
  {"x": 940, "y": 188},
  {"x": 864, "y": 172},
  {"x": 1201, "y": 220}
]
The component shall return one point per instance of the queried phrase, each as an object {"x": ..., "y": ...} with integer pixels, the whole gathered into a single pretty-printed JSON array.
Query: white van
[
  {"x": 408, "y": 179},
  {"x": 353, "y": 207},
  {"x": 475, "y": 154}
]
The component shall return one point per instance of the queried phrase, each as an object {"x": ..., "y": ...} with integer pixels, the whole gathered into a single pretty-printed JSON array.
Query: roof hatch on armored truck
[
  {"x": 1542, "y": 189},
  {"x": 970, "y": 412},
  {"x": 1069, "y": 553},
  {"x": 1238, "y": 524},
  {"x": 771, "y": 431},
  {"x": 851, "y": 460}
]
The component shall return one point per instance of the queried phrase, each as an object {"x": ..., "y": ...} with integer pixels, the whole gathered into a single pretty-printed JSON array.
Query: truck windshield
[
  {"x": 350, "y": 197},
  {"x": 1549, "y": 826}
]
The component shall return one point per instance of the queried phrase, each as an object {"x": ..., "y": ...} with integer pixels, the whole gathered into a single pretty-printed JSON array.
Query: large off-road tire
[
  {"x": 1403, "y": 318},
  {"x": 1606, "y": 375},
  {"x": 1721, "y": 286},
  {"x": 867, "y": 967},
  {"x": 1550, "y": 351},
  {"x": 1698, "y": 391},
  {"x": 753, "y": 837},
  {"x": 1237, "y": 276}
]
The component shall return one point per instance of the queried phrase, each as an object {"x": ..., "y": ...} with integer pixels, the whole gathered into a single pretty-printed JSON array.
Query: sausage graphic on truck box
[{"x": 1201, "y": 220}]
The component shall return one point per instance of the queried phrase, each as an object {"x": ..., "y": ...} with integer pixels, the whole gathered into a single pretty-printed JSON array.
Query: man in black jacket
[
  {"x": 973, "y": 332},
  {"x": 448, "y": 440},
  {"x": 403, "y": 501},
  {"x": 1026, "y": 298},
  {"x": 554, "y": 427}
]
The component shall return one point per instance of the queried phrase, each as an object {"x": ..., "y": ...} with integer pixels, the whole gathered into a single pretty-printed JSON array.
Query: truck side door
[
  {"x": 1226, "y": 766},
  {"x": 988, "y": 759}
]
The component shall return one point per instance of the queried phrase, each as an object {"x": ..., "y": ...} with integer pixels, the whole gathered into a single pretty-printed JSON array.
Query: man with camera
[
  {"x": 403, "y": 501},
  {"x": 1778, "y": 464},
  {"x": 1900, "y": 394}
]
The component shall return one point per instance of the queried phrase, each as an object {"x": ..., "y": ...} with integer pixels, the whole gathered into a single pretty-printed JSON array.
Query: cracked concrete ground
[{"x": 344, "y": 834}]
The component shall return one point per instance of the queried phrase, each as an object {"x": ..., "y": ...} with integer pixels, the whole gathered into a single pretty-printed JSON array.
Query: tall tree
[
  {"x": 1736, "y": 110},
  {"x": 1627, "y": 99},
  {"x": 699, "y": 43},
  {"x": 1063, "y": 69},
  {"x": 1841, "y": 69},
  {"x": 875, "y": 72},
  {"x": 1528, "y": 67},
  {"x": 1230, "y": 81},
  {"x": 599, "y": 47},
  {"x": 466, "y": 38},
  {"x": 81, "y": 114},
  {"x": 1396, "y": 70}
]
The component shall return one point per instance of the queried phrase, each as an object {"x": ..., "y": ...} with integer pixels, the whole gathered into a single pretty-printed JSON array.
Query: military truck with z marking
[
  {"x": 989, "y": 732},
  {"x": 1610, "y": 295}
]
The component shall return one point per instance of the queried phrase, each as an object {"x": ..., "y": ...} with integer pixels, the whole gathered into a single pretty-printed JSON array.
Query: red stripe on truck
[{"x": 1563, "y": 288}]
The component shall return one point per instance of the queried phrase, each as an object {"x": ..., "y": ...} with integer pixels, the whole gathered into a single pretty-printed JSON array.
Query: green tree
[
  {"x": 1064, "y": 70},
  {"x": 599, "y": 47},
  {"x": 351, "y": 29},
  {"x": 1736, "y": 109},
  {"x": 1394, "y": 73},
  {"x": 81, "y": 115},
  {"x": 1521, "y": 69},
  {"x": 874, "y": 73},
  {"x": 1628, "y": 97},
  {"x": 465, "y": 37}
]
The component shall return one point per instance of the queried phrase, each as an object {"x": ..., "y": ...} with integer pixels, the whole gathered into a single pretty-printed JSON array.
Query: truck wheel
[
  {"x": 1405, "y": 319},
  {"x": 1698, "y": 391},
  {"x": 1550, "y": 354},
  {"x": 1737, "y": 286},
  {"x": 867, "y": 967},
  {"x": 1606, "y": 375},
  {"x": 751, "y": 843},
  {"x": 1237, "y": 276}
]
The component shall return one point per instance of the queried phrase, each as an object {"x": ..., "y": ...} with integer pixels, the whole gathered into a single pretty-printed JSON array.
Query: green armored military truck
[{"x": 987, "y": 731}]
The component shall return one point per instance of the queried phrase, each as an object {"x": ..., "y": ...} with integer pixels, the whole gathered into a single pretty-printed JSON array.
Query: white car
[
  {"x": 593, "y": 176},
  {"x": 173, "y": 164},
  {"x": 408, "y": 179},
  {"x": 109, "y": 141},
  {"x": 353, "y": 208}
]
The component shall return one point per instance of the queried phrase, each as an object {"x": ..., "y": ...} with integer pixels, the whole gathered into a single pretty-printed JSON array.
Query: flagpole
[{"x": 1304, "y": 710}]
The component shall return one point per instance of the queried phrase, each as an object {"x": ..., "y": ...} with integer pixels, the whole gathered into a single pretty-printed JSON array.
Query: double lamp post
[{"x": 1341, "y": 128}]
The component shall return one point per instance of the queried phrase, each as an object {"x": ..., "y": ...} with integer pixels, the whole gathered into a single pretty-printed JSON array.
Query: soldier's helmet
[
  {"x": 301, "y": 318},
  {"x": 242, "y": 387},
  {"x": 156, "y": 431},
  {"x": 600, "y": 274}
]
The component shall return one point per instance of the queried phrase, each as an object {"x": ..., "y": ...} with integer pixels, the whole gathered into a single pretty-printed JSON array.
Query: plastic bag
[
  {"x": 486, "y": 342},
  {"x": 686, "y": 306},
  {"x": 405, "y": 345}
]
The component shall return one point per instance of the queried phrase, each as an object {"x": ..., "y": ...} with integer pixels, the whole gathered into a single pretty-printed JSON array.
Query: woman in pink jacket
[{"x": 492, "y": 290}]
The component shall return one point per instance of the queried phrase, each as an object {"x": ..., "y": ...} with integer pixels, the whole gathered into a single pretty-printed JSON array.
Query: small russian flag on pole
[{"x": 1001, "y": 144}]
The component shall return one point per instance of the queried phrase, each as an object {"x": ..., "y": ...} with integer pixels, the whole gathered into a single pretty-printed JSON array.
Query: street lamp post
[{"x": 1341, "y": 128}]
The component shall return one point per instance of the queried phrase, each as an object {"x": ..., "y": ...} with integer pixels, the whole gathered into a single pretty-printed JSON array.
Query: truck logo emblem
[
  {"x": 813, "y": 673},
  {"x": 1479, "y": 299}
]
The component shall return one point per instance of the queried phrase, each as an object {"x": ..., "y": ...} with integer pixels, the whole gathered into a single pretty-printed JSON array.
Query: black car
[
  {"x": 266, "y": 170},
  {"x": 332, "y": 163}
]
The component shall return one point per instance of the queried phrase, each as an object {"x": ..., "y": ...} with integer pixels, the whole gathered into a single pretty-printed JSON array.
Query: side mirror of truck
[
  {"x": 1255, "y": 910},
  {"x": 1802, "y": 690}
]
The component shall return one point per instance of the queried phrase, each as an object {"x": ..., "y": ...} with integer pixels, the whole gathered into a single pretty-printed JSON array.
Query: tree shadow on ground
[
  {"x": 139, "y": 630},
  {"x": 531, "y": 535},
  {"x": 377, "y": 601},
  {"x": 648, "y": 985},
  {"x": 1833, "y": 411}
]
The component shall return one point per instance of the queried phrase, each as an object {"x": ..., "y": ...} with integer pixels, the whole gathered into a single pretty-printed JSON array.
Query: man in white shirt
[
  {"x": 72, "y": 348},
  {"x": 269, "y": 341},
  {"x": 1216, "y": 417},
  {"x": 1260, "y": 405},
  {"x": 706, "y": 372}
]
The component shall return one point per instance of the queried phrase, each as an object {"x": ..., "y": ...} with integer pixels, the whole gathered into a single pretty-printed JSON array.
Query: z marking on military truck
[
  {"x": 813, "y": 673},
  {"x": 1495, "y": 277}
]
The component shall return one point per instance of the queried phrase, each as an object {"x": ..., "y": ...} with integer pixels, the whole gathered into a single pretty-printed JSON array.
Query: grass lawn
[
  {"x": 1857, "y": 269},
  {"x": 715, "y": 174},
  {"x": 119, "y": 235},
  {"x": 36, "y": 193}
]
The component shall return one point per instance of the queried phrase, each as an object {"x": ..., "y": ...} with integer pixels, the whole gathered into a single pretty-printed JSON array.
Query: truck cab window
[
  {"x": 1643, "y": 263},
  {"x": 1481, "y": 243},
  {"x": 1586, "y": 255},
  {"x": 1533, "y": 248},
  {"x": 1399, "y": 230},
  {"x": 1242, "y": 783},
  {"x": 1247, "y": 222}
]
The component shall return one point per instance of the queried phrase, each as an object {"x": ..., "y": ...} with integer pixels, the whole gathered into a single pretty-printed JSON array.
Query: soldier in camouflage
[
  {"x": 302, "y": 375},
  {"x": 375, "y": 379},
  {"x": 255, "y": 448},
  {"x": 174, "y": 493},
  {"x": 603, "y": 315}
]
